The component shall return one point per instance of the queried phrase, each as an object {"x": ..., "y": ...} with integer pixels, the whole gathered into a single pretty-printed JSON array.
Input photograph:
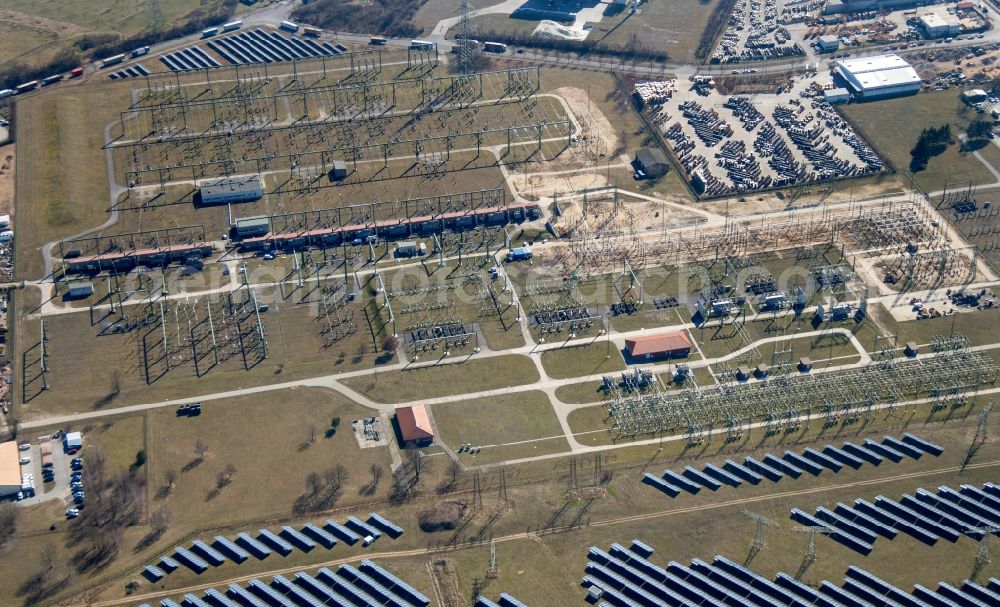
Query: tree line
[
  {"x": 96, "y": 46},
  {"x": 389, "y": 18},
  {"x": 932, "y": 142},
  {"x": 634, "y": 49}
]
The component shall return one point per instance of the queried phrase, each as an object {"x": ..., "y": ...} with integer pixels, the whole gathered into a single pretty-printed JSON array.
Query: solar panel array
[
  {"x": 190, "y": 58},
  {"x": 134, "y": 71},
  {"x": 368, "y": 584},
  {"x": 790, "y": 464},
  {"x": 625, "y": 577},
  {"x": 202, "y": 554},
  {"x": 505, "y": 600},
  {"x": 927, "y": 516}
]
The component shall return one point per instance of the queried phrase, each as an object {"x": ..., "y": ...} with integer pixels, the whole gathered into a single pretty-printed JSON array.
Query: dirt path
[
  {"x": 7, "y": 179},
  {"x": 597, "y": 129}
]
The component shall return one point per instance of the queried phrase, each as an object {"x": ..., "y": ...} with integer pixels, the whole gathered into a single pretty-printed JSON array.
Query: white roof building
[
  {"x": 937, "y": 25},
  {"x": 879, "y": 76}
]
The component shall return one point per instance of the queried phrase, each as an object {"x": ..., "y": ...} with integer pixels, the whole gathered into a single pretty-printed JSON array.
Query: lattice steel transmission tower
[
  {"x": 809, "y": 558},
  {"x": 983, "y": 554},
  {"x": 758, "y": 536},
  {"x": 464, "y": 38},
  {"x": 154, "y": 16}
]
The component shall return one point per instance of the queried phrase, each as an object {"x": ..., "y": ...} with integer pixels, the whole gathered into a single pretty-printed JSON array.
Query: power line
[{"x": 154, "y": 16}]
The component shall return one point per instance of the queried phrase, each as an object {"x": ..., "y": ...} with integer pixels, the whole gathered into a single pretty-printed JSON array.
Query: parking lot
[
  {"x": 736, "y": 144},
  {"x": 754, "y": 34},
  {"x": 58, "y": 488}
]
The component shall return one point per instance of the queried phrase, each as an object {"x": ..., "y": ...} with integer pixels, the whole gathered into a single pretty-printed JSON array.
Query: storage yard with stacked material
[{"x": 300, "y": 319}]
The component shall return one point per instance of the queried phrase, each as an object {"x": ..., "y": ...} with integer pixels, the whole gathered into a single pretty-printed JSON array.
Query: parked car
[
  {"x": 24, "y": 446},
  {"x": 72, "y": 513},
  {"x": 25, "y": 460}
]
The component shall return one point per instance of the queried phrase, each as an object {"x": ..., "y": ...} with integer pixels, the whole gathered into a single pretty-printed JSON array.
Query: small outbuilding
[
  {"x": 661, "y": 345},
  {"x": 339, "y": 170},
  {"x": 79, "y": 290},
  {"x": 251, "y": 227},
  {"x": 828, "y": 44},
  {"x": 519, "y": 254},
  {"x": 72, "y": 441},
  {"x": 414, "y": 426},
  {"x": 974, "y": 96},
  {"x": 652, "y": 161},
  {"x": 837, "y": 95}
]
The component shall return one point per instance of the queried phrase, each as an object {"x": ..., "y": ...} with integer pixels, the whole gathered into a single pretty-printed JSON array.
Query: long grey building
[{"x": 231, "y": 189}]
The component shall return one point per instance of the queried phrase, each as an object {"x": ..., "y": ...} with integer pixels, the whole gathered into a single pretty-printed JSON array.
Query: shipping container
[
  {"x": 6, "y": 93},
  {"x": 377, "y": 40},
  {"x": 289, "y": 26},
  {"x": 113, "y": 60},
  {"x": 139, "y": 52},
  {"x": 76, "y": 72},
  {"x": 311, "y": 31},
  {"x": 209, "y": 32},
  {"x": 423, "y": 45},
  {"x": 51, "y": 79},
  {"x": 232, "y": 25},
  {"x": 494, "y": 47}
]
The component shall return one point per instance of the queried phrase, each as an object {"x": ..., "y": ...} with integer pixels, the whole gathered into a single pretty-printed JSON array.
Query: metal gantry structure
[
  {"x": 170, "y": 138},
  {"x": 883, "y": 225},
  {"x": 837, "y": 397}
]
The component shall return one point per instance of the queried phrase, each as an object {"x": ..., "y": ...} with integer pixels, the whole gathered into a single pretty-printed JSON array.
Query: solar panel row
[
  {"x": 262, "y": 46},
  {"x": 135, "y": 71},
  {"x": 620, "y": 578},
  {"x": 790, "y": 464},
  {"x": 925, "y": 515},
  {"x": 187, "y": 59}
]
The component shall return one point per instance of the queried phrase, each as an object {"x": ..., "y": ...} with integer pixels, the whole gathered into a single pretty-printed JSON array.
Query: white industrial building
[
  {"x": 879, "y": 76},
  {"x": 828, "y": 44},
  {"x": 231, "y": 189},
  {"x": 940, "y": 26}
]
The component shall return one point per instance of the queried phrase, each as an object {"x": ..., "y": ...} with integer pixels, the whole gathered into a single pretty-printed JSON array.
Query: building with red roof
[
  {"x": 660, "y": 345},
  {"x": 414, "y": 426}
]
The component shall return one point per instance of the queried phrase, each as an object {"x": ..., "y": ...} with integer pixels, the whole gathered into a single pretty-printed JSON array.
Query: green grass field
[
  {"x": 578, "y": 361},
  {"x": 893, "y": 126},
  {"x": 507, "y": 427},
  {"x": 473, "y": 375}
]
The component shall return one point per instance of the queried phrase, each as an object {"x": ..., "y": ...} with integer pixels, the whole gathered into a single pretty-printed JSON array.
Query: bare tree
[
  {"x": 9, "y": 515},
  {"x": 376, "y": 471},
  {"x": 200, "y": 449},
  {"x": 225, "y": 477},
  {"x": 159, "y": 520},
  {"x": 413, "y": 460},
  {"x": 170, "y": 476},
  {"x": 314, "y": 483},
  {"x": 335, "y": 477}
]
